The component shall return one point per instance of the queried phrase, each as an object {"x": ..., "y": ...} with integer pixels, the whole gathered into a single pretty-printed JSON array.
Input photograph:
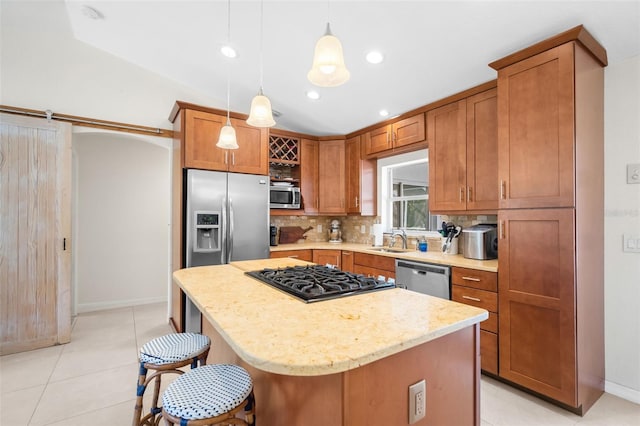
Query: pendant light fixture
[
  {"x": 261, "y": 114},
  {"x": 227, "y": 138},
  {"x": 328, "y": 68}
]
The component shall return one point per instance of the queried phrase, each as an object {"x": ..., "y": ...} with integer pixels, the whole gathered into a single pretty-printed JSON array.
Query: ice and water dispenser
[{"x": 207, "y": 230}]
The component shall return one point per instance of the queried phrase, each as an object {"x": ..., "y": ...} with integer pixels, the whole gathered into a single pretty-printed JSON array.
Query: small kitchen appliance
[
  {"x": 480, "y": 242},
  {"x": 273, "y": 233},
  {"x": 284, "y": 195},
  {"x": 335, "y": 234},
  {"x": 313, "y": 283}
]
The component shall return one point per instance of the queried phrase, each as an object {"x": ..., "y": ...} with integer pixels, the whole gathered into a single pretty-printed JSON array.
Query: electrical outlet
[
  {"x": 633, "y": 173},
  {"x": 631, "y": 243},
  {"x": 417, "y": 401},
  {"x": 363, "y": 229},
  {"x": 319, "y": 228}
]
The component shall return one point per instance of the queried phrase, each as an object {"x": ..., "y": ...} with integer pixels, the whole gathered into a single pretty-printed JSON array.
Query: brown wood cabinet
[
  {"x": 480, "y": 288},
  {"x": 537, "y": 301},
  {"x": 397, "y": 135},
  {"x": 331, "y": 177},
  {"x": 463, "y": 154},
  {"x": 309, "y": 175},
  {"x": 305, "y": 254},
  {"x": 360, "y": 180},
  {"x": 536, "y": 143},
  {"x": 374, "y": 265},
  {"x": 331, "y": 257},
  {"x": 201, "y": 130},
  {"x": 347, "y": 261},
  {"x": 551, "y": 272}
]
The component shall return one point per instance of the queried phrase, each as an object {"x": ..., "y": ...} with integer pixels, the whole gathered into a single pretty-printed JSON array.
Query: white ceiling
[{"x": 432, "y": 48}]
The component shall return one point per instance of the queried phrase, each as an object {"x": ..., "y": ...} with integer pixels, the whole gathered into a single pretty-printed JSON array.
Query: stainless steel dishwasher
[{"x": 427, "y": 278}]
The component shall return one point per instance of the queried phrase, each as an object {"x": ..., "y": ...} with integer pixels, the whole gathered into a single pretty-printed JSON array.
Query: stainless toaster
[{"x": 480, "y": 242}]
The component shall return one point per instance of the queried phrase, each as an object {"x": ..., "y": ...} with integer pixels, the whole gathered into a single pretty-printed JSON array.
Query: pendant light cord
[
  {"x": 261, "y": 43},
  {"x": 228, "y": 62}
]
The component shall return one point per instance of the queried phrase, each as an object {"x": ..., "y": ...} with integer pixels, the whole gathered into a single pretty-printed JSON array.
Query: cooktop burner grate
[{"x": 314, "y": 282}]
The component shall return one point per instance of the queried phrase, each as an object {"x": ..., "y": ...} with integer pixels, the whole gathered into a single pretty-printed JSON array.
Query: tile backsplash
[{"x": 359, "y": 229}]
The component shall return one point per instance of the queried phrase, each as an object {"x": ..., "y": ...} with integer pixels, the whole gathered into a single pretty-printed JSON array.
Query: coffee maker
[{"x": 273, "y": 232}]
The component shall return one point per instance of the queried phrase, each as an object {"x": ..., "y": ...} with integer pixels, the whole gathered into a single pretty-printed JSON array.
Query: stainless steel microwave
[{"x": 284, "y": 197}]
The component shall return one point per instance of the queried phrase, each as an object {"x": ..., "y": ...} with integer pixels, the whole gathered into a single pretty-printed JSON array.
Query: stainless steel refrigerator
[{"x": 226, "y": 218}]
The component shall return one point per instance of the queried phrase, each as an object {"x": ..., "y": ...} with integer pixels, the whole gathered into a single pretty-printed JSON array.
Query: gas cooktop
[{"x": 313, "y": 283}]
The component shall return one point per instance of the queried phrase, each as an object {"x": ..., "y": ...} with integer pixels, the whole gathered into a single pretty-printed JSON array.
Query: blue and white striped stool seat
[
  {"x": 207, "y": 392},
  {"x": 174, "y": 347}
]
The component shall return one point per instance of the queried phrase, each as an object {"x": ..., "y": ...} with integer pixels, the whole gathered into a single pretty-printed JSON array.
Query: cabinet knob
[
  {"x": 462, "y": 194},
  {"x": 503, "y": 190},
  {"x": 356, "y": 201},
  {"x": 469, "y": 192}
]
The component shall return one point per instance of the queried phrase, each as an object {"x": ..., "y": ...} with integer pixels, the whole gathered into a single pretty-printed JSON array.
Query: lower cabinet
[
  {"x": 331, "y": 257},
  {"x": 306, "y": 255},
  {"x": 347, "y": 261},
  {"x": 374, "y": 265},
  {"x": 480, "y": 288}
]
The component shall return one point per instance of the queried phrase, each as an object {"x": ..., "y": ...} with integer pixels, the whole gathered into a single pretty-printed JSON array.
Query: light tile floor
[{"x": 91, "y": 381}]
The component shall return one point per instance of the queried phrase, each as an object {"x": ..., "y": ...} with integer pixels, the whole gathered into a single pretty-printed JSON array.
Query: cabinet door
[
  {"x": 377, "y": 140},
  {"x": 482, "y": 151},
  {"x": 200, "y": 136},
  {"x": 536, "y": 131},
  {"x": 331, "y": 178},
  {"x": 446, "y": 127},
  {"x": 537, "y": 301},
  {"x": 408, "y": 131},
  {"x": 347, "y": 261},
  {"x": 252, "y": 156},
  {"x": 309, "y": 175},
  {"x": 360, "y": 180},
  {"x": 331, "y": 257}
]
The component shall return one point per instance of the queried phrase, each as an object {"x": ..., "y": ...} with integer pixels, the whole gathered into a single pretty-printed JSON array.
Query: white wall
[
  {"x": 622, "y": 215},
  {"x": 42, "y": 66},
  {"x": 121, "y": 220}
]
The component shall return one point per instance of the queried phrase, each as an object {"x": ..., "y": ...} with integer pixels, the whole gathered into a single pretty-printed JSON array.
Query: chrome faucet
[{"x": 403, "y": 236}]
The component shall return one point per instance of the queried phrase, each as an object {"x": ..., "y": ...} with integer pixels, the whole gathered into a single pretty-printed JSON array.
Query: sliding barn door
[{"x": 35, "y": 231}]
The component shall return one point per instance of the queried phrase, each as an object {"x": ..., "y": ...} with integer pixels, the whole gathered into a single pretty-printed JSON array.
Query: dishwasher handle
[{"x": 422, "y": 269}]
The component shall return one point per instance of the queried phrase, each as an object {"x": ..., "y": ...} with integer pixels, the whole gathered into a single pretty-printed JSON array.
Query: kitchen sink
[{"x": 387, "y": 250}]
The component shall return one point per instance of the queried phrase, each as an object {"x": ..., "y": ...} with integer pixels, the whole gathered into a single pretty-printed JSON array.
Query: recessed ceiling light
[
  {"x": 228, "y": 51},
  {"x": 91, "y": 13},
  {"x": 384, "y": 112},
  {"x": 312, "y": 94},
  {"x": 375, "y": 57}
]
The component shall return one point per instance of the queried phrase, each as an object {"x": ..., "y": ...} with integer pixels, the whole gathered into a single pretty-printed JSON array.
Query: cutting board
[{"x": 291, "y": 234}]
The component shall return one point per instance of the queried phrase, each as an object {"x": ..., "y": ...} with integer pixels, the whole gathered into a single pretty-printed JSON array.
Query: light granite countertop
[
  {"x": 278, "y": 333},
  {"x": 428, "y": 257}
]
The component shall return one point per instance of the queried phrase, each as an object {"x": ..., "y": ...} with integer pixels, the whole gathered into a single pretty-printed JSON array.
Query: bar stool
[
  {"x": 210, "y": 395},
  {"x": 166, "y": 354}
]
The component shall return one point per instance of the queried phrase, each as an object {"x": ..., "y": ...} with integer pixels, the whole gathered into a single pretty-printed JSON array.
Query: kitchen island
[{"x": 346, "y": 361}]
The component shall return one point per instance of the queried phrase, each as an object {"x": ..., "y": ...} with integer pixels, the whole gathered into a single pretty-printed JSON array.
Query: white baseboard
[
  {"x": 101, "y": 306},
  {"x": 622, "y": 392}
]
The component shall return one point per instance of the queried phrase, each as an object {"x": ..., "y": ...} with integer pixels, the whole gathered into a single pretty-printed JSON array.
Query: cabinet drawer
[
  {"x": 295, "y": 254},
  {"x": 471, "y": 296},
  {"x": 489, "y": 351},
  {"x": 375, "y": 261},
  {"x": 491, "y": 323},
  {"x": 482, "y": 280}
]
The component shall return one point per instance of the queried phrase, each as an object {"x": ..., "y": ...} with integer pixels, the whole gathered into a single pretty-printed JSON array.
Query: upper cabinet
[
  {"x": 396, "y": 136},
  {"x": 322, "y": 176},
  {"x": 198, "y": 136},
  {"x": 360, "y": 180},
  {"x": 536, "y": 141},
  {"x": 309, "y": 175},
  {"x": 331, "y": 177},
  {"x": 463, "y": 145}
]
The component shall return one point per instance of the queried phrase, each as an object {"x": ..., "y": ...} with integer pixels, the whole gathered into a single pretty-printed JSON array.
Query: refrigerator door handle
[
  {"x": 223, "y": 258},
  {"x": 230, "y": 229}
]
